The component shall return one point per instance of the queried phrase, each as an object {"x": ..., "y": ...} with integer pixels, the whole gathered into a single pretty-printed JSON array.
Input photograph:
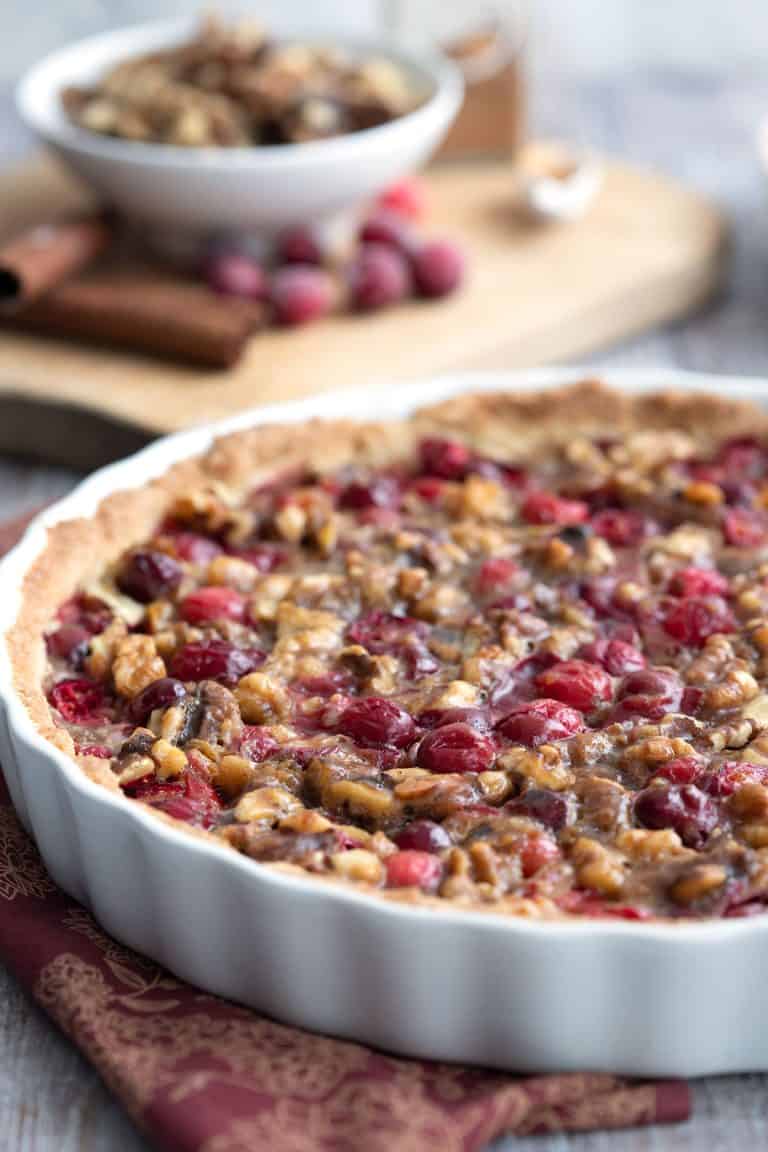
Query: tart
[{"x": 511, "y": 653}]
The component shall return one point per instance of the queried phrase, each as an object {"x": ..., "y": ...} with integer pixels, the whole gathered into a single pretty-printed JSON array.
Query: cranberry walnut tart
[{"x": 510, "y": 653}]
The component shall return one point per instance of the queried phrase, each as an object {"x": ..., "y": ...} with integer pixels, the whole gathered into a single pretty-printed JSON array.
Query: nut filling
[
  {"x": 541, "y": 687},
  {"x": 232, "y": 86}
]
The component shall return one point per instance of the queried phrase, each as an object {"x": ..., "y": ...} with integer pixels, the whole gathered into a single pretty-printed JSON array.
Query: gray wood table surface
[{"x": 701, "y": 130}]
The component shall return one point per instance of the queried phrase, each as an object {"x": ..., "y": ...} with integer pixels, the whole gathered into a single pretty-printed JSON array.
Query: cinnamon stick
[
  {"x": 146, "y": 311},
  {"x": 42, "y": 257}
]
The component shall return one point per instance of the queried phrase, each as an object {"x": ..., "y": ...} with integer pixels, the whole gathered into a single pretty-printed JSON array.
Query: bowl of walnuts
[{"x": 220, "y": 129}]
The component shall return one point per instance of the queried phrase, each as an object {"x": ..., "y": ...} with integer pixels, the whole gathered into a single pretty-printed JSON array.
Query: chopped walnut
[
  {"x": 262, "y": 700},
  {"x": 232, "y": 572},
  {"x": 700, "y": 881},
  {"x": 170, "y": 761},
  {"x": 597, "y": 867},
  {"x": 265, "y": 804},
  {"x": 136, "y": 665},
  {"x": 544, "y": 768},
  {"x": 103, "y": 648},
  {"x": 220, "y": 720},
  {"x": 358, "y": 865}
]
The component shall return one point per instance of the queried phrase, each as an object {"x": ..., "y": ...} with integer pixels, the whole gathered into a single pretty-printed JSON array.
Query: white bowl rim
[
  {"x": 444, "y": 78},
  {"x": 392, "y": 402}
]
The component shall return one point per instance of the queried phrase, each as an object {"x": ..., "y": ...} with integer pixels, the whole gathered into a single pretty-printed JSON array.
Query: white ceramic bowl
[
  {"x": 653, "y": 999},
  {"x": 233, "y": 190}
]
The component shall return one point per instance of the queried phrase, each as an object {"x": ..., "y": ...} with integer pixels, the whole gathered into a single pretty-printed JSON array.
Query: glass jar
[{"x": 487, "y": 41}]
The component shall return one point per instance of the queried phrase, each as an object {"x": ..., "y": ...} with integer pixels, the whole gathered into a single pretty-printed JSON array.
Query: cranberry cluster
[{"x": 391, "y": 264}]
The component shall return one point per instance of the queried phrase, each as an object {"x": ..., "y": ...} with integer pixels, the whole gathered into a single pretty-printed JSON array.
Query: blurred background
[
  {"x": 590, "y": 37},
  {"x": 677, "y": 87}
]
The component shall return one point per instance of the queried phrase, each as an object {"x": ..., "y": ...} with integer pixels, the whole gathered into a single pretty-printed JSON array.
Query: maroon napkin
[{"x": 199, "y": 1074}]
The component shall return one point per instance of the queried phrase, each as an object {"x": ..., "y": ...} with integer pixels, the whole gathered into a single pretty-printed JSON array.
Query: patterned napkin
[{"x": 199, "y": 1074}]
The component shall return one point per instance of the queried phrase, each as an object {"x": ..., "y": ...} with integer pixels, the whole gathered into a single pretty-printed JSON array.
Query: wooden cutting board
[{"x": 648, "y": 252}]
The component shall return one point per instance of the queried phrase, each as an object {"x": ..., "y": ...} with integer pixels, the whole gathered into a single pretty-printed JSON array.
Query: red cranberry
[
  {"x": 418, "y": 661},
  {"x": 479, "y": 809},
  {"x": 576, "y": 683},
  {"x": 725, "y": 778},
  {"x": 216, "y": 660},
  {"x": 148, "y": 575},
  {"x": 650, "y": 694},
  {"x": 515, "y": 685},
  {"x": 299, "y": 246},
  {"x": 620, "y": 528},
  {"x": 234, "y": 274},
  {"x": 500, "y": 473},
  {"x": 387, "y": 229},
  {"x": 69, "y": 643},
  {"x": 685, "y": 809},
  {"x": 549, "y": 808},
  {"x": 650, "y": 682},
  {"x": 86, "y": 611},
  {"x": 488, "y": 469},
  {"x": 429, "y": 488},
  {"x": 455, "y": 748},
  {"x": 743, "y": 528},
  {"x": 699, "y": 582},
  {"x": 738, "y": 492},
  {"x": 537, "y": 851},
  {"x": 215, "y": 602},
  {"x": 189, "y": 798},
  {"x": 616, "y": 656},
  {"x": 300, "y": 294},
  {"x": 510, "y": 475},
  {"x": 692, "y": 620},
  {"x": 423, "y": 836},
  {"x": 749, "y": 908},
  {"x": 517, "y": 602},
  {"x": 100, "y": 750},
  {"x": 743, "y": 456},
  {"x": 411, "y": 869},
  {"x": 385, "y": 519},
  {"x": 691, "y": 700},
  {"x": 383, "y": 632},
  {"x": 705, "y": 471},
  {"x": 540, "y": 722},
  {"x": 547, "y": 508},
  {"x": 159, "y": 694},
  {"x": 438, "y": 268},
  {"x": 78, "y": 701},
  {"x": 405, "y": 198},
  {"x": 682, "y": 770},
  {"x": 375, "y": 722},
  {"x": 477, "y": 718},
  {"x": 195, "y": 549},
  {"x": 625, "y": 632},
  {"x": 448, "y": 459},
  {"x": 265, "y": 557},
  {"x": 378, "y": 277},
  {"x": 381, "y": 491},
  {"x": 600, "y": 593},
  {"x": 495, "y": 574},
  {"x": 326, "y": 685},
  {"x": 623, "y": 912},
  {"x": 256, "y": 744},
  {"x": 585, "y": 903}
]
